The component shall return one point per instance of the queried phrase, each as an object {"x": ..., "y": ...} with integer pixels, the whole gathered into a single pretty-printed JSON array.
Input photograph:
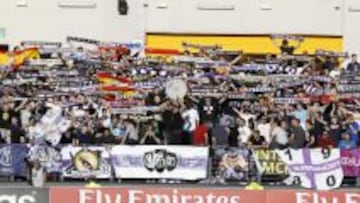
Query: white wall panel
[
  {"x": 352, "y": 26},
  {"x": 56, "y": 19},
  {"x": 323, "y": 17}
]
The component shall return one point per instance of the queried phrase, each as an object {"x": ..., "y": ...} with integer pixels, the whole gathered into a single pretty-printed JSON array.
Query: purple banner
[
  {"x": 12, "y": 160},
  {"x": 350, "y": 162}
]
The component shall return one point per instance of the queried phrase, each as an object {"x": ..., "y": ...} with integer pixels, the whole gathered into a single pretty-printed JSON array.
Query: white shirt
[
  {"x": 335, "y": 73},
  {"x": 52, "y": 115},
  {"x": 244, "y": 134},
  {"x": 265, "y": 130},
  {"x": 346, "y": 62},
  {"x": 38, "y": 177},
  {"x": 281, "y": 136},
  {"x": 35, "y": 132},
  {"x": 191, "y": 118},
  {"x": 132, "y": 131},
  {"x": 107, "y": 122},
  {"x": 78, "y": 112},
  {"x": 25, "y": 117},
  {"x": 247, "y": 117}
]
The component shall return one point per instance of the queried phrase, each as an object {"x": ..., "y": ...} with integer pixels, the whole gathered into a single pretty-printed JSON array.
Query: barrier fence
[{"x": 188, "y": 164}]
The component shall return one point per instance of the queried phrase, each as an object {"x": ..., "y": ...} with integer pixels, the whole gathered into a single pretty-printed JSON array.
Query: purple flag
[{"x": 350, "y": 161}]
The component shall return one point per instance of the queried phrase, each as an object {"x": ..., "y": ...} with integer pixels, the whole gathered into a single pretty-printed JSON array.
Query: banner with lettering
[
  {"x": 318, "y": 169},
  {"x": 170, "y": 162},
  {"x": 350, "y": 162},
  {"x": 268, "y": 162},
  {"x": 49, "y": 157},
  {"x": 232, "y": 163},
  {"x": 85, "y": 162},
  {"x": 12, "y": 160},
  {"x": 198, "y": 194}
]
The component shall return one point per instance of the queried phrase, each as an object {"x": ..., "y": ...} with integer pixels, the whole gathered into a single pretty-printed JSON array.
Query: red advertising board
[
  {"x": 307, "y": 196},
  {"x": 196, "y": 195}
]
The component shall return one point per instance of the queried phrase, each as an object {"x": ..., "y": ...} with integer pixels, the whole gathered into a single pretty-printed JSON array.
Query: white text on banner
[{"x": 168, "y": 162}]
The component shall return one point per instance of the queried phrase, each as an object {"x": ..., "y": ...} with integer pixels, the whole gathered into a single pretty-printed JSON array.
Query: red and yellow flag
[
  {"x": 18, "y": 58},
  {"x": 112, "y": 84},
  {"x": 109, "y": 79}
]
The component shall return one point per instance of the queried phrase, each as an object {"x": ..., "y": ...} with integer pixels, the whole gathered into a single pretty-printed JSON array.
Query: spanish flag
[
  {"x": 109, "y": 79},
  {"x": 111, "y": 84},
  {"x": 18, "y": 58}
]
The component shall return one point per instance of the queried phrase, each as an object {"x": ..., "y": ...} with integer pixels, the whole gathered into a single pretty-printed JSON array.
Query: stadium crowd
[{"x": 233, "y": 99}]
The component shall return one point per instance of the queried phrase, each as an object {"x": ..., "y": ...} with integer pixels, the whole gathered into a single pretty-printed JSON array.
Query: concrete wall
[
  {"x": 351, "y": 27},
  {"x": 311, "y": 17},
  {"x": 56, "y": 19},
  {"x": 320, "y": 17},
  {"x": 51, "y": 20}
]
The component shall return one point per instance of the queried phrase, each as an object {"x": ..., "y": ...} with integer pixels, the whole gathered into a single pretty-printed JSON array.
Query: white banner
[
  {"x": 317, "y": 169},
  {"x": 85, "y": 162},
  {"x": 157, "y": 162}
]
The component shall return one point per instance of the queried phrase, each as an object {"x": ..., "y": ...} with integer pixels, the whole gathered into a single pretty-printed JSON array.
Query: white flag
[{"x": 318, "y": 169}]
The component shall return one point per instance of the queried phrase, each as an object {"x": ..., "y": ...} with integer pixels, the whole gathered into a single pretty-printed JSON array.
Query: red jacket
[
  {"x": 199, "y": 135},
  {"x": 325, "y": 142}
]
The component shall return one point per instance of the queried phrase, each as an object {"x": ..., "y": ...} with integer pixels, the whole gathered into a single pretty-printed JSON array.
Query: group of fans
[{"x": 115, "y": 96}]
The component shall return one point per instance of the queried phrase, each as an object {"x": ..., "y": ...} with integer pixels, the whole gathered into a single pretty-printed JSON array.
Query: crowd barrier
[
  {"x": 184, "y": 163},
  {"x": 172, "y": 195}
]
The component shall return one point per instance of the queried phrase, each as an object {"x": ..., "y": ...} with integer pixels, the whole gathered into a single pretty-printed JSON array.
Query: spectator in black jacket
[{"x": 297, "y": 136}]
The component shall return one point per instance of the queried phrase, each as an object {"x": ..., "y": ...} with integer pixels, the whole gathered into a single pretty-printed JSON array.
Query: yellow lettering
[
  {"x": 262, "y": 154},
  {"x": 269, "y": 167},
  {"x": 271, "y": 162},
  {"x": 273, "y": 168}
]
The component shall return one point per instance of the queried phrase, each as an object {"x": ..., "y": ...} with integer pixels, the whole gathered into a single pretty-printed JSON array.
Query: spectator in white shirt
[
  {"x": 244, "y": 132},
  {"x": 191, "y": 121},
  {"x": 279, "y": 136},
  {"x": 38, "y": 174},
  {"x": 25, "y": 115},
  {"x": 246, "y": 116},
  {"x": 132, "y": 133},
  {"x": 264, "y": 128}
]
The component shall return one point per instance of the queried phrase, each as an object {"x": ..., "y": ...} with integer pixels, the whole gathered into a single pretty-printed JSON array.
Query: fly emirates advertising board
[{"x": 197, "y": 195}]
